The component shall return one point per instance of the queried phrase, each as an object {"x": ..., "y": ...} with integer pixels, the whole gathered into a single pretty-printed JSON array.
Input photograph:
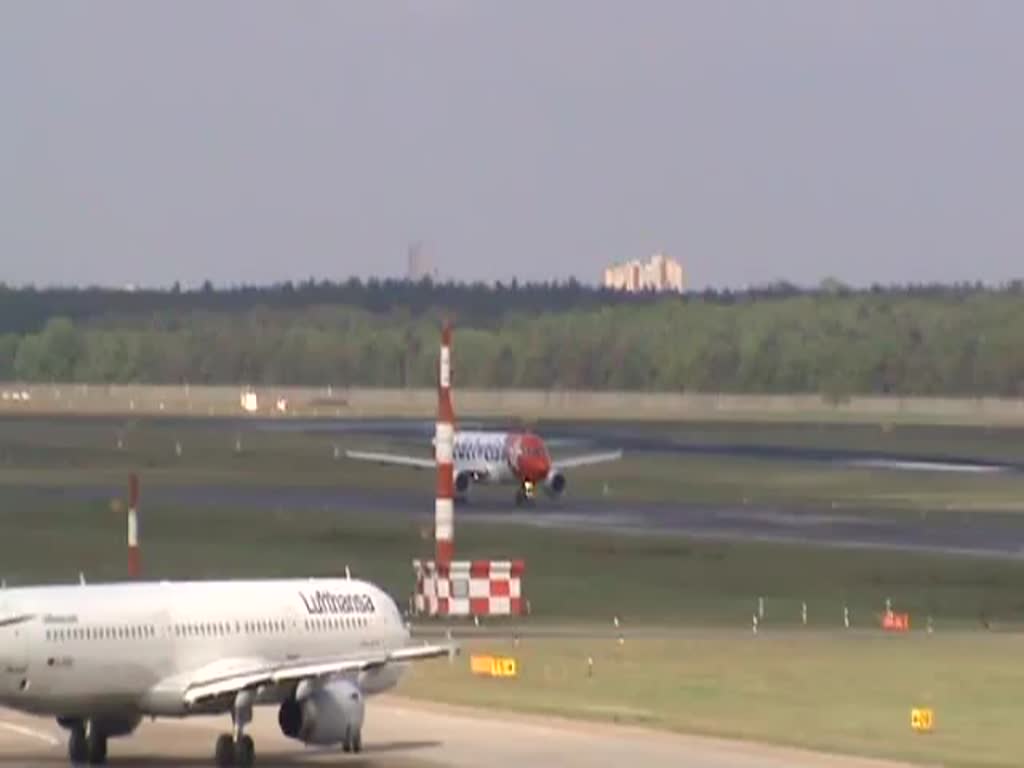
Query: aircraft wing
[
  {"x": 213, "y": 686},
  {"x": 582, "y": 461},
  {"x": 393, "y": 459}
]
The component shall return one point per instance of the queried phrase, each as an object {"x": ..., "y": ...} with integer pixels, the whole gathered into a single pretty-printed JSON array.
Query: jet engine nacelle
[
  {"x": 554, "y": 484},
  {"x": 462, "y": 481},
  {"x": 325, "y": 715}
]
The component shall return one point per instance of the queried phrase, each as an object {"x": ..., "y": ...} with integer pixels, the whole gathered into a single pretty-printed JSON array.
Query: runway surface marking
[
  {"x": 400, "y": 733},
  {"x": 29, "y": 733}
]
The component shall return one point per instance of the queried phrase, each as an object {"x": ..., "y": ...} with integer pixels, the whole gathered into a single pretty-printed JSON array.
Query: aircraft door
[{"x": 14, "y": 645}]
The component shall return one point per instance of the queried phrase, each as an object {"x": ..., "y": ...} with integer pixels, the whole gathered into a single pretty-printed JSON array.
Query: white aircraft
[
  {"x": 101, "y": 657},
  {"x": 498, "y": 458}
]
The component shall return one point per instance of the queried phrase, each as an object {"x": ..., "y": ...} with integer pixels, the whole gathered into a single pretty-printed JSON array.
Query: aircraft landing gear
[
  {"x": 525, "y": 493},
  {"x": 237, "y": 748},
  {"x": 78, "y": 747},
  {"x": 353, "y": 742},
  {"x": 87, "y": 745}
]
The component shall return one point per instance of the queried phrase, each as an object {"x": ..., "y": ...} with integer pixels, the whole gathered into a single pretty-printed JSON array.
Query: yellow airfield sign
[
  {"x": 922, "y": 720},
  {"x": 493, "y": 666}
]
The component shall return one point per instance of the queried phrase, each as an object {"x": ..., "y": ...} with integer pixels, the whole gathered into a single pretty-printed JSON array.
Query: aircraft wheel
[
  {"x": 78, "y": 747},
  {"x": 245, "y": 752},
  {"x": 96, "y": 747},
  {"x": 224, "y": 754}
]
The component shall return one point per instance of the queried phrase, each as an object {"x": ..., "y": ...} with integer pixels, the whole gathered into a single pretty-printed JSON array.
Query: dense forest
[{"x": 922, "y": 340}]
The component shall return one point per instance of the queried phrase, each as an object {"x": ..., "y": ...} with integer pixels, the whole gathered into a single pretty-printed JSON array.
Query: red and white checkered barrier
[{"x": 469, "y": 588}]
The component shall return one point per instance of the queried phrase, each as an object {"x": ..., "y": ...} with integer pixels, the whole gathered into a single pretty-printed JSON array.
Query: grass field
[{"x": 848, "y": 692}]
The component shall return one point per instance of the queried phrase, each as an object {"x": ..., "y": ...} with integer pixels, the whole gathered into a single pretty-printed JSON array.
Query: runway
[
  {"x": 987, "y": 535},
  {"x": 403, "y": 734}
]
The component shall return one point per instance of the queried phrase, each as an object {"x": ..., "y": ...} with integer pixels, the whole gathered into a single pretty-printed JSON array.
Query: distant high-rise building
[
  {"x": 419, "y": 266},
  {"x": 659, "y": 273}
]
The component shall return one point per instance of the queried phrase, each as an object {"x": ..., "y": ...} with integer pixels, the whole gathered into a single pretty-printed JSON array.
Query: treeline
[
  {"x": 28, "y": 309},
  {"x": 959, "y": 341}
]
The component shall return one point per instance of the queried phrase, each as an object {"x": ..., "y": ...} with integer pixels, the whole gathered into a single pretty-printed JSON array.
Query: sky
[{"x": 254, "y": 142}]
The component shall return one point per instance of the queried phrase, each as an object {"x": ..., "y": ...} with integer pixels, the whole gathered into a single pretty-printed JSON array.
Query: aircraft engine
[
  {"x": 462, "y": 483},
  {"x": 323, "y": 715},
  {"x": 554, "y": 484}
]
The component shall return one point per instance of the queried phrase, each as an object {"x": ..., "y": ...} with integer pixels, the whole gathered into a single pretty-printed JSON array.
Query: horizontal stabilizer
[
  {"x": 392, "y": 459},
  {"x": 582, "y": 461}
]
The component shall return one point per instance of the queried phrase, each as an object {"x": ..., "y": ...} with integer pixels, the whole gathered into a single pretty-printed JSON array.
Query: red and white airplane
[{"x": 499, "y": 458}]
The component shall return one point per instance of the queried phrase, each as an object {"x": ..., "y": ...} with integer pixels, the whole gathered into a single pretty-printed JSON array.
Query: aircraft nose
[{"x": 534, "y": 468}]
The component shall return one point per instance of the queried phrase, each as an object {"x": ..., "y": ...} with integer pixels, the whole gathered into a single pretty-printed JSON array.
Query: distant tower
[{"x": 418, "y": 263}]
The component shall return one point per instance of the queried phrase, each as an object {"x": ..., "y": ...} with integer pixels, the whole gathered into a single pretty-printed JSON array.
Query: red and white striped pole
[
  {"x": 134, "y": 556},
  {"x": 444, "y": 440}
]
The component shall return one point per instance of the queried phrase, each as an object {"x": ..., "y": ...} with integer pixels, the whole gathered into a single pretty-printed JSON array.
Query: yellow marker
[
  {"x": 922, "y": 720},
  {"x": 493, "y": 666}
]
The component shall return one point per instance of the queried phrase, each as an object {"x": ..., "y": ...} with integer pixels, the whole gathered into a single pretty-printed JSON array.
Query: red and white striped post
[
  {"x": 444, "y": 439},
  {"x": 134, "y": 556}
]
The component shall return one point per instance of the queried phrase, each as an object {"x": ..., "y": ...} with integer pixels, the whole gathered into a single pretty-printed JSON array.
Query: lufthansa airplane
[{"x": 101, "y": 657}]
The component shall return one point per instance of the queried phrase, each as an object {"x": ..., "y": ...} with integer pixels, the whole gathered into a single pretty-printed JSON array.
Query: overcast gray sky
[{"x": 148, "y": 142}]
